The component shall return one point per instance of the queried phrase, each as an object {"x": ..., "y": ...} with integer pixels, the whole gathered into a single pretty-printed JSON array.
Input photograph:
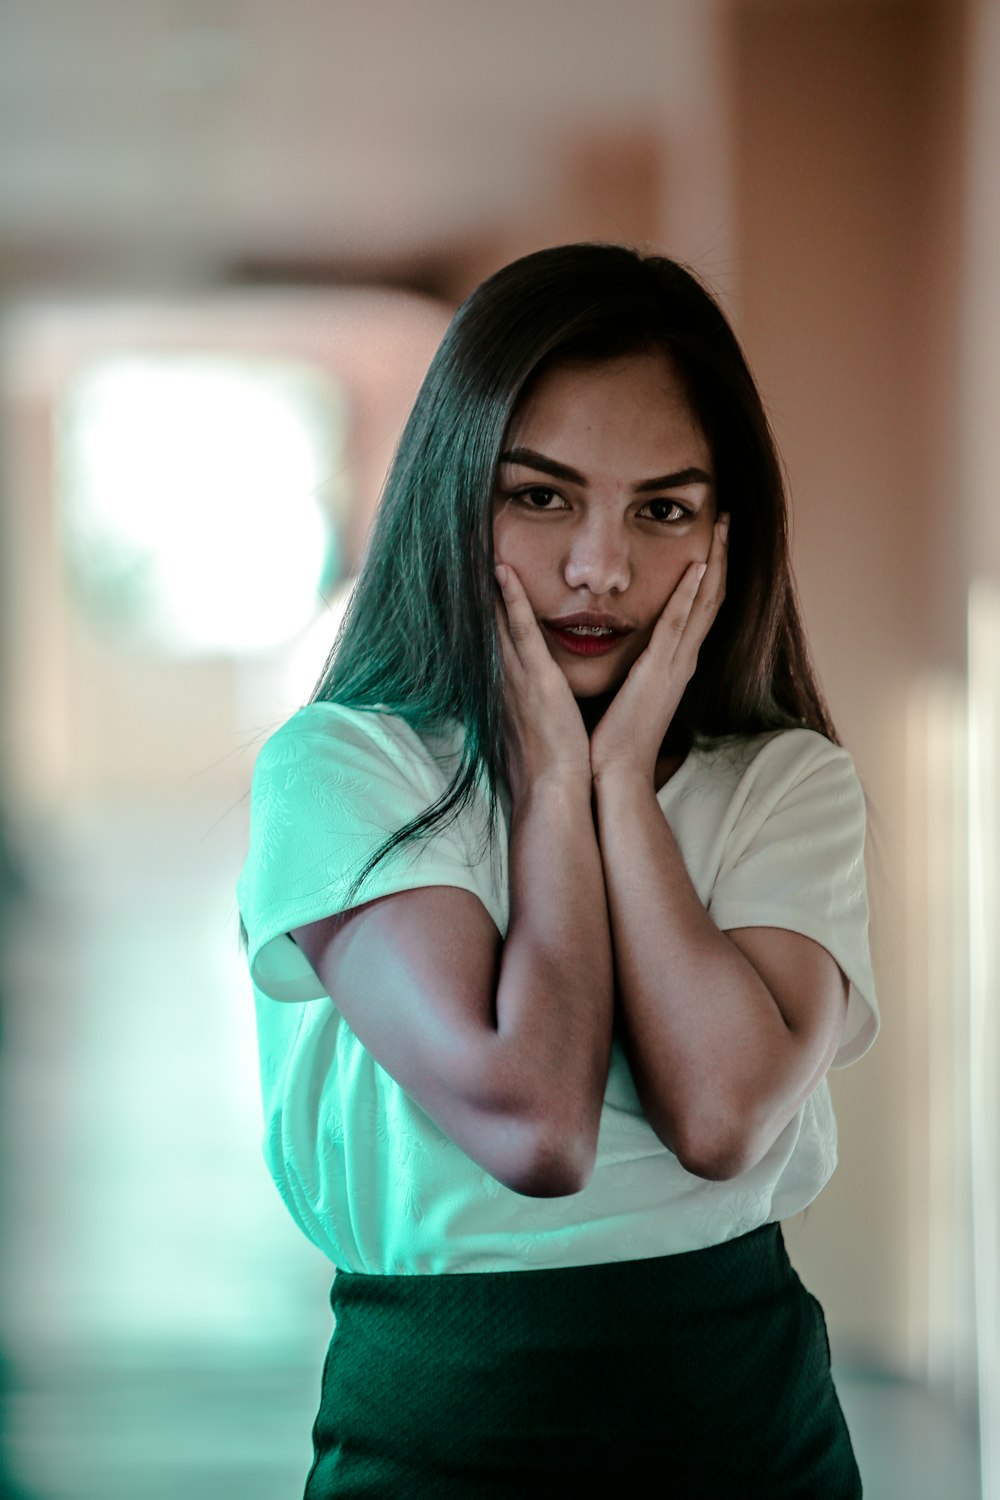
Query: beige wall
[{"x": 848, "y": 126}]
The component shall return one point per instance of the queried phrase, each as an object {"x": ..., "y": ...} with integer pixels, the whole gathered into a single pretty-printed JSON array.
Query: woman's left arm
[{"x": 726, "y": 1033}]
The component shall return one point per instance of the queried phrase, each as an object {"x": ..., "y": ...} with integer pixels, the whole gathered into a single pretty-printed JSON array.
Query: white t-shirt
[{"x": 772, "y": 833}]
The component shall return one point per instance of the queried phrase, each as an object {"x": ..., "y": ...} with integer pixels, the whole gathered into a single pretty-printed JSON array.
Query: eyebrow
[{"x": 532, "y": 460}]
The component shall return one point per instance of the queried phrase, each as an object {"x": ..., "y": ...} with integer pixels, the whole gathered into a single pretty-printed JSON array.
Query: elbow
[
  {"x": 713, "y": 1137},
  {"x": 552, "y": 1163},
  {"x": 713, "y": 1149},
  {"x": 709, "y": 1139},
  {"x": 715, "y": 1161},
  {"x": 537, "y": 1147}
]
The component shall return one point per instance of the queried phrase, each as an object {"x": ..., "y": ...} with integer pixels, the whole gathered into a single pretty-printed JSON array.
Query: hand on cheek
[
  {"x": 545, "y": 735},
  {"x": 629, "y": 736}
]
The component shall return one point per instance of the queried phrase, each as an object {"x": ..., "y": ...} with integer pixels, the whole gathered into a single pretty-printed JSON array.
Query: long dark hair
[{"x": 419, "y": 638}]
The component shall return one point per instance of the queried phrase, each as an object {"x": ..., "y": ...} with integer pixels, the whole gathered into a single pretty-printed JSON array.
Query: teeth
[{"x": 588, "y": 630}]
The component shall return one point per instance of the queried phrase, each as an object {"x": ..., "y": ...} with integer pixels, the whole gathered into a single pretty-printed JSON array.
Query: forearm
[
  {"x": 555, "y": 986},
  {"x": 717, "y": 1067}
]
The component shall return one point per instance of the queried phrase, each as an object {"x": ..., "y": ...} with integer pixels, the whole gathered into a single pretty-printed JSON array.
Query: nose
[{"x": 598, "y": 558}]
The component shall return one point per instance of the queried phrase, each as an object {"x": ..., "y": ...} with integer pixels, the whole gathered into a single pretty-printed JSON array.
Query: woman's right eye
[{"x": 539, "y": 498}]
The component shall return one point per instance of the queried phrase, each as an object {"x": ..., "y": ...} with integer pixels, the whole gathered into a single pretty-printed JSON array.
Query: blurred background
[{"x": 231, "y": 234}]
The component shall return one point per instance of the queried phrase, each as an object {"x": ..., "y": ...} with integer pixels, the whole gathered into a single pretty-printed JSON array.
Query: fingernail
[
  {"x": 700, "y": 571},
  {"x": 724, "y": 527},
  {"x": 500, "y": 573}
]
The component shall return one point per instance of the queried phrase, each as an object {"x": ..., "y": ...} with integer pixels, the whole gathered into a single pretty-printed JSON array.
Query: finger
[
  {"x": 516, "y": 653},
  {"x": 677, "y": 610},
  {"x": 682, "y": 625},
  {"x": 719, "y": 551},
  {"x": 523, "y": 628},
  {"x": 712, "y": 589},
  {"x": 508, "y": 650}
]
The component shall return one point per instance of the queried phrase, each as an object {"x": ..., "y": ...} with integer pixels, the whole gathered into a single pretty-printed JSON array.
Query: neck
[{"x": 592, "y": 710}]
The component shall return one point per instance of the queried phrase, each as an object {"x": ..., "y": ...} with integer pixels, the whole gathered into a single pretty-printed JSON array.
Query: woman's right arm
[{"x": 505, "y": 1043}]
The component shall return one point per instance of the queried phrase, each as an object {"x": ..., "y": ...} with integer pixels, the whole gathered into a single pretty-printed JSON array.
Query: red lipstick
[{"x": 588, "y": 632}]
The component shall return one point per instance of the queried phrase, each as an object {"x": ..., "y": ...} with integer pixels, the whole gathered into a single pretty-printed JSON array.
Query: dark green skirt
[{"x": 697, "y": 1375}]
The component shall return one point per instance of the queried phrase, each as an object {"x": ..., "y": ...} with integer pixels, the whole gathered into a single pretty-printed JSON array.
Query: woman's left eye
[{"x": 665, "y": 510}]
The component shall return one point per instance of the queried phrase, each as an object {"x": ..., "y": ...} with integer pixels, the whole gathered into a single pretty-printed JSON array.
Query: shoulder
[
  {"x": 757, "y": 772},
  {"x": 776, "y": 754},
  {"x": 322, "y": 728},
  {"x": 790, "y": 787},
  {"x": 337, "y": 747},
  {"x": 336, "y": 782},
  {"x": 331, "y": 790}
]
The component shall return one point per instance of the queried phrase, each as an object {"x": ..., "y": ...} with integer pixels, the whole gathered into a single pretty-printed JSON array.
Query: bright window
[{"x": 197, "y": 502}]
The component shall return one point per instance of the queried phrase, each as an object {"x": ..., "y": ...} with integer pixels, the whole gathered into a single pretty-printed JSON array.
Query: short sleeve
[
  {"x": 795, "y": 860},
  {"x": 328, "y": 789}
]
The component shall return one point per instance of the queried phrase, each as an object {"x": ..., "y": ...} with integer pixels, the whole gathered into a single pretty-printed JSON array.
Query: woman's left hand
[{"x": 632, "y": 729}]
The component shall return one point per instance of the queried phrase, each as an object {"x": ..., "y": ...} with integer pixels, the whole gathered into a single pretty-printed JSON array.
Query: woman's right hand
[
  {"x": 545, "y": 734},
  {"x": 503, "y": 1041}
]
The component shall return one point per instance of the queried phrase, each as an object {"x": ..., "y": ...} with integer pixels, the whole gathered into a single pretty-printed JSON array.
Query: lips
[{"x": 588, "y": 632}]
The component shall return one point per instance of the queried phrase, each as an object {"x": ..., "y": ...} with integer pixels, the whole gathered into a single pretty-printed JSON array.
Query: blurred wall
[
  {"x": 88, "y": 721},
  {"x": 849, "y": 124}
]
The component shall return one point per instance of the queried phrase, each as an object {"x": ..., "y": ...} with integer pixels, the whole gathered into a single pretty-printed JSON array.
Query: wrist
[
  {"x": 623, "y": 780},
  {"x": 623, "y": 772},
  {"x": 623, "y": 757},
  {"x": 569, "y": 783}
]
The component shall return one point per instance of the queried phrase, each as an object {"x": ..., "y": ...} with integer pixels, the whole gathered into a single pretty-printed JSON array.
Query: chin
[{"x": 592, "y": 685}]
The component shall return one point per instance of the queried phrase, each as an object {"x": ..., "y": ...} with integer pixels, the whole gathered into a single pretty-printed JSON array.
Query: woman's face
[{"x": 604, "y": 495}]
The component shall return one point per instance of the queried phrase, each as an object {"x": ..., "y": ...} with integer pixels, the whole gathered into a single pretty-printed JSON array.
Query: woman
[{"x": 559, "y": 877}]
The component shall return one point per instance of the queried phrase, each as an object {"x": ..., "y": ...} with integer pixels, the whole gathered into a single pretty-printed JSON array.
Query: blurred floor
[{"x": 163, "y": 1322}]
